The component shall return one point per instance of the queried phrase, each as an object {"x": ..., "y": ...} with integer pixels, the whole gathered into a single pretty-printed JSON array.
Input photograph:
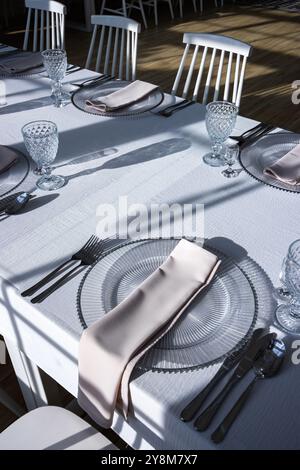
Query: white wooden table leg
[{"x": 28, "y": 376}]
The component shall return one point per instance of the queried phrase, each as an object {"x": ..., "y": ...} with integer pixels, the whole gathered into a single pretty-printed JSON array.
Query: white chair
[
  {"x": 49, "y": 24},
  {"x": 154, "y": 5},
  {"x": 52, "y": 428},
  {"x": 221, "y": 57},
  {"x": 117, "y": 49},
  {"x": 126, "y": 8}
]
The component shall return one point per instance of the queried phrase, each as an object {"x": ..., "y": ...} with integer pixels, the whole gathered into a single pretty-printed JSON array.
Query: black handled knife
[
  {"x": 246, "y": 363},
  {"x": 190, "y": 411}
]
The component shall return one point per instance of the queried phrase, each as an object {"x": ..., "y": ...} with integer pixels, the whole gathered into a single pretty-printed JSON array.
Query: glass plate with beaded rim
[
  {"x": 97, "y": 89},
  {"x": 12, "y": 178},
  {"x": 26, "y": 73},
  {"x": 216, "y": 324},
  {"x": 265, "y": 151}
]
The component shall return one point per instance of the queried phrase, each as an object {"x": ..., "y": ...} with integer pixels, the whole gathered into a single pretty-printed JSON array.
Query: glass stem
[
  {"x": 56, "y": 90},
  {"x": 46, "y": 171},
  {"x": 216, "y": 150}
]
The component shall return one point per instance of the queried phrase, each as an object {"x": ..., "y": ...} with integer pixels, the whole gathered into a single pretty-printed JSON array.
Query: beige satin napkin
[
  {"x": 111, "y": 347},
  {"x": 7, "y": 158},
  {"x": 121, "y": 98},
  {"x": 20, "y": 62},
  {"x": 287, "y": 168}
]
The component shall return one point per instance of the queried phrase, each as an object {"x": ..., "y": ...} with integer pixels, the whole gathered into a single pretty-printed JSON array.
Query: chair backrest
[
  {"x": 49, "y": 24},
  {"x": 223, "y": 61},
  {"x": 117, "y": 49}
]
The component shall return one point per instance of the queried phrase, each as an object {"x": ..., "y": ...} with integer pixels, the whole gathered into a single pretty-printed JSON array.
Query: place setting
[
  {"x": 202, "y": 324},
  {"x": 227, "y": 149},
  {"x": 269, "y": 157}
]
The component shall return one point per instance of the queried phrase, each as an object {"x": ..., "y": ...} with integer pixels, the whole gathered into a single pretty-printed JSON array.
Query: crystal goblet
[
  {"x": 41, "y": 141},
  {"x": 220, "y": 121},
  {"x": 55, "y": 63},
  {"x": 288, "y": 315}
]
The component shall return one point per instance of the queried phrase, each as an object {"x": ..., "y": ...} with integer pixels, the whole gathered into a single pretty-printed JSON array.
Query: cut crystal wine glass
[
  {"x": 220, "y": 121},
  {"x": 41, "y": 141},
  {"x": 288, "y": 315},
  {"x": 55, "y": 63}
]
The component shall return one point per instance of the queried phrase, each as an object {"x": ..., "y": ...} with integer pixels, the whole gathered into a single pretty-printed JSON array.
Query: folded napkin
[
  {"x": 20, "y": 62},
  {"x": 7, "y": 158},
  {"x": 287, "y": 168},
  {"x": 123, "y": 97},
  {"x": 111, "y": 347}
]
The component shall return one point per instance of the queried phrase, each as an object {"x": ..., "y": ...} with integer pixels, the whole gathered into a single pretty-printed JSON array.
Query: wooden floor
[{"x": 272, "y": 68}]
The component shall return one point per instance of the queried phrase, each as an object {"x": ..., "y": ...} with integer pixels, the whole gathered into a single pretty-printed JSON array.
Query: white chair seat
[{"x": 52, "y": 428}]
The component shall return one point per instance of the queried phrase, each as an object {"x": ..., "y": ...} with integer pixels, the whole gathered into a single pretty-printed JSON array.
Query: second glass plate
[{"x": 98, "y": 89}]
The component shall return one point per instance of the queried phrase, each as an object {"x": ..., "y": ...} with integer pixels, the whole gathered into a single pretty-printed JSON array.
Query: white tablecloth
[{"x": 150, "y": 159}]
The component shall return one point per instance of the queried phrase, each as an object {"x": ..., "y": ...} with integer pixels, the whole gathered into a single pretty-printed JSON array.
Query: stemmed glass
[
  {"x": 230, "y": 158},
  {"x": 288, "y": 315},
  {"x": 41, "y": 141},
  {"x": 220, "y": 121},
  {"x": 55, "y": 63}
]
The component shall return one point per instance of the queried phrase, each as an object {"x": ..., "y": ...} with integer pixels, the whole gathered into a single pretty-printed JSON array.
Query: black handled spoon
[
  {"x": 15, "y": 205},
  {"x": 266, "y": 366}
]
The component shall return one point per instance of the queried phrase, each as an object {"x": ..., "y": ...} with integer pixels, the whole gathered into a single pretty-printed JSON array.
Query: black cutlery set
[
  {"x": 86, "y": 256},
  {"x": 263, "y": 355}
]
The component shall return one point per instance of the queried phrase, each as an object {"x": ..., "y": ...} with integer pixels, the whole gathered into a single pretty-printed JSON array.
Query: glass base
[
  {"x": 50, "y": 183},
  {"x": 37, "y": 171},
  {"x": 62, "y": 100},
  {"x": 214, "y": 160},
  {"x": 286, "y": 320},
  {"x": 230, "y": 173}
]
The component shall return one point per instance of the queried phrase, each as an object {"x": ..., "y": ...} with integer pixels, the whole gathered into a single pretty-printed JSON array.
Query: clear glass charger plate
[
  {"x": 16, "y": 174},
  {"x": 96, "y": 90},
  {"x": 25, "y": 73},
  {"x": 265, "y": 151},
  {"x": 217, "y": 323}
]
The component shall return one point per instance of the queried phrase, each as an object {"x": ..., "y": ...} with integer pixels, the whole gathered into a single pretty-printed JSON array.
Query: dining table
[{"x": 149, "y": 159}]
